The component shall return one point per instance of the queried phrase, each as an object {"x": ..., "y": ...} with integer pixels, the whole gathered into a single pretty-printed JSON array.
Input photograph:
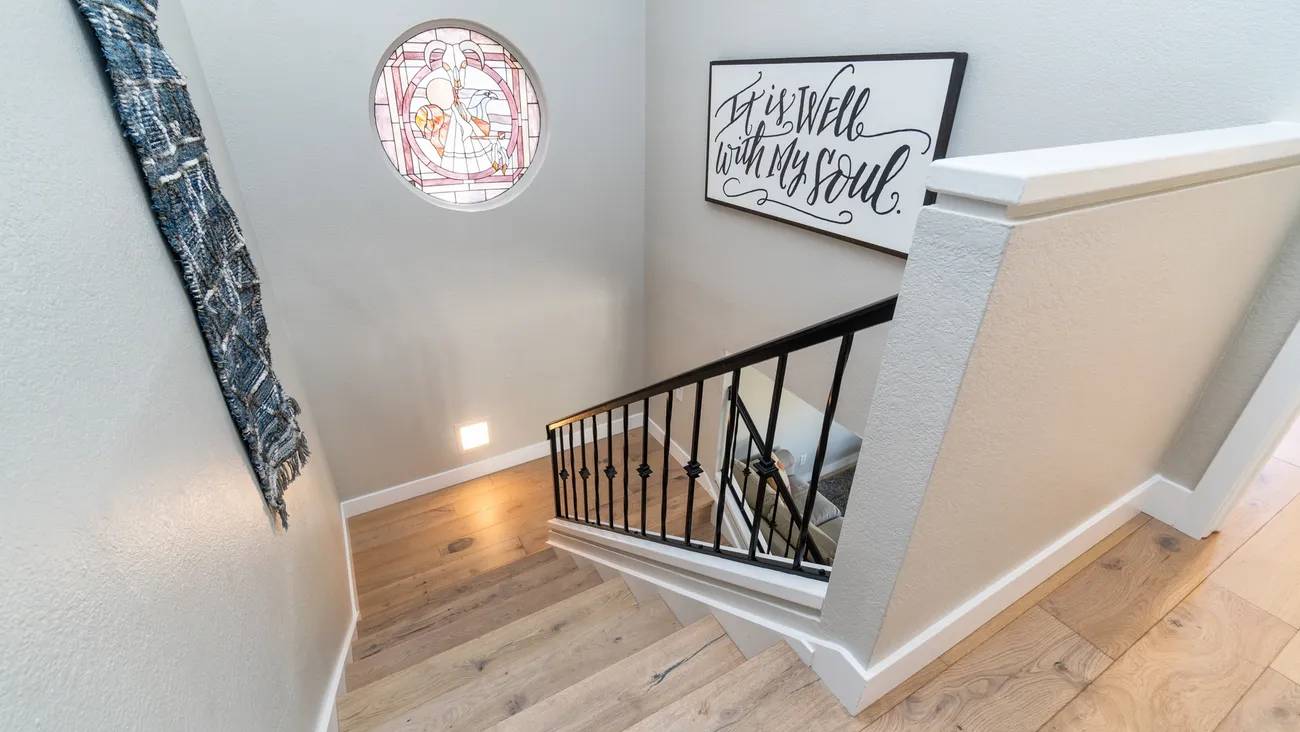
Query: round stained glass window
[{"x": 457, "y": 115}]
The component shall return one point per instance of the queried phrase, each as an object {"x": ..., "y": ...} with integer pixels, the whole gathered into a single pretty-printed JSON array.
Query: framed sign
[{"x": 839, "y": 145}]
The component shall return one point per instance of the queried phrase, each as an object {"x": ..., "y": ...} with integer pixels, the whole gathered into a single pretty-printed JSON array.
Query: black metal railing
[{"x": 743, "y": 514}]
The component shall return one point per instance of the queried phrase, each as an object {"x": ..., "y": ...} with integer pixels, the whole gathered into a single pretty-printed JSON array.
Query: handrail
[
  {"x": 571, "y": 472},
  {"x": 876, "y": 313}
]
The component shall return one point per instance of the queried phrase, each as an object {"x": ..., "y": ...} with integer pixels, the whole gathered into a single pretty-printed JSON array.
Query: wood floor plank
[
  {"x": 1266, "y": 570},
  {"x": 1016, "y": 680},
  {"x": 404, "y": 570},
  {"x": 503, "y": 690},
  {"x": 443, "y": 525},
  {"x": 771, "y": 691},
  {"x": 363, "y": 540},
  {"x": 1186, "y": 673},
  {"x": 639, "y": 685},
  {"x": 1287, "y": 662},
  {"x": 1117, "y": 598},
  {"x": 891, "y": 699},
  {"x": 1271, "y": 705},
  {"x": 417, "y": 646},
  {"x": 391, "y": 698},
  {"x": 370, "y": 520},
  {"x": 1036, "y": 595},
  {"x": 430, "y": 585},
  {"x": 448, "y": 601},
  {"x": 424, "y": 548}
]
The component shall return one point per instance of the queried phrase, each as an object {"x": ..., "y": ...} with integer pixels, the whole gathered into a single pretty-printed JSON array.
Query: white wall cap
[{"x": 1034, "y": 182}]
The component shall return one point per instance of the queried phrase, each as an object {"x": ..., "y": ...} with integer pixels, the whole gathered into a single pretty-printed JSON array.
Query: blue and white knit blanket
[{"x": 158, "y": 117}]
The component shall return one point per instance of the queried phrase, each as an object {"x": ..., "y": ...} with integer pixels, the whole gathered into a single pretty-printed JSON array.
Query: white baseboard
[
  {"x": 325, "y": 719},
  {"x": 883, "y": 676},
  {"x": 855, "y": 683},
  {"x": 458, "y": 475}
]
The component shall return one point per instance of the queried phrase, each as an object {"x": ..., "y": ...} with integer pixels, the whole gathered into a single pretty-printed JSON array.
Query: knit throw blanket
[{"x": 158, "y": 117}]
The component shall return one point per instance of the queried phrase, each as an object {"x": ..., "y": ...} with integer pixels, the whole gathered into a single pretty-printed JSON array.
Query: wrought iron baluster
[
  {"x": 586, "y": 506},
  {"x": 729, "y": 440},
  {"x": 610, "y": 472},
  {"x": 832, "y": 401},
  {"x": 565, "y": 474},
  {"x": 626, "y": 426},
  {"x": 643, "y": 469},
  {"x": 573, "y": 465},
  {"x": 663, "y": 493},
  {"x": 766, "y": 468},
  {"x": 555, "y": 471},
  {"x": 595, "y": 462},
  {"x": 693, "y": 469}
]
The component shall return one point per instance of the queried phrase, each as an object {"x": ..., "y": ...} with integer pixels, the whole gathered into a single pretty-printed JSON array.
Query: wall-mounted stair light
[{"x": 474, "y": 434}]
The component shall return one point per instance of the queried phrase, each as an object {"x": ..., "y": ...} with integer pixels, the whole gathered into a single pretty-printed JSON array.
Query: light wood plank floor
[{"x": 1148, "y": 630}]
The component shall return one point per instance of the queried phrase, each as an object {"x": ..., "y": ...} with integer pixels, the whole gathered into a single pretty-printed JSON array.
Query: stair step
[
  {"x": 771, "y": 691},
  {"x": 489, "y": 700},
  {"x": 433, "y": 584},
  {"x": 475, "y": 615},
  {"x": 381, "y": 629},
  {"x": 401, "y": 605},
  {"x": 637, "y": 686},
  {"x": 502, "y": 672},
  {"x": 452, "y": 537}
]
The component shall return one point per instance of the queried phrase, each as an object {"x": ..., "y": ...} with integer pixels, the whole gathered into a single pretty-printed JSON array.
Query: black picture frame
[{"x": 955, "y": 78}]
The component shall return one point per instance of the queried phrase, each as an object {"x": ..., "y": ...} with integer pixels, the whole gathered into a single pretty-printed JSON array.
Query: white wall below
[{"x": 146, "y": 585}]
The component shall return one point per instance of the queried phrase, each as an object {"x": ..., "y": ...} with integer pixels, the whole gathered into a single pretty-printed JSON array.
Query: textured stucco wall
[
  {"x": 410, "y": 318},
  {"x": 1100, "y": 330},
  {"x": 146, "y": 586}
]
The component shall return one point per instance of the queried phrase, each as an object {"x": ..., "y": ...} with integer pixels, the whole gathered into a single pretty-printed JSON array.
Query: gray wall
[
  {"x": 1040, "y": 74},
  {"x": 146, "y": 586},
  {"x": 407, "y": 317}
]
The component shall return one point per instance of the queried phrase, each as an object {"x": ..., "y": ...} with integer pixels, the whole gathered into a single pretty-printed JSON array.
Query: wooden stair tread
[
  {"x": 508, "y": 691},
  {"x": 637, "y": 686},
  {"x": 549, "y": 584},
  {"x": 774, "y": 690},
  {"x": 409, "y": 555},
  {"x": 462, "y": 574},
  {"x": 394, "y": 696},
  {"x": 500, "y": 584}
]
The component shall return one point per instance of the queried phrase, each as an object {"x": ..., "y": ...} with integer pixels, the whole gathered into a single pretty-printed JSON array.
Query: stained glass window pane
[{"x": 457, "y": 115}]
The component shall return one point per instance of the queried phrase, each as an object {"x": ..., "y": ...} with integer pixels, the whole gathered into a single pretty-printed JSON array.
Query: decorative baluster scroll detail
[
  {"x": 610, "y": 471},
  {"x": 693, "y": 469},
  {"x": 573, "y": 465},
  {"x": 832, "y": 401},
  {"x": 729, "y": 441},
  {"x": 595, "y": 463},
  {"x": 565, "y": 474},
  {"x": 582, "y": 448},
  {"x": 766, "y": 467},
  {"x": 643, "y": 469}
]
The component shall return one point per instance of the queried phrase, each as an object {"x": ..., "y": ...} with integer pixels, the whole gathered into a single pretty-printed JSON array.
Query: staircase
[
  {"x": 543, "y": 644},
  {"x": 473, "y": 618}
]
